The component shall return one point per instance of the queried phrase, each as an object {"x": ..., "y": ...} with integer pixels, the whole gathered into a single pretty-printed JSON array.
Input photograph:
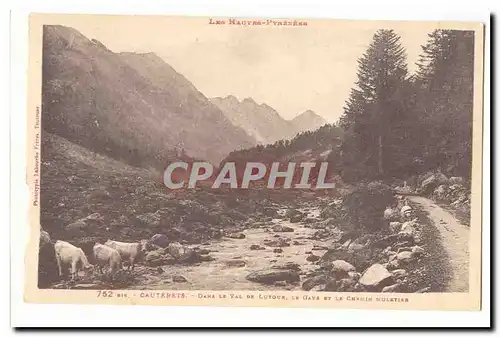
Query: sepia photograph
[{"x": 254, "y": 161}]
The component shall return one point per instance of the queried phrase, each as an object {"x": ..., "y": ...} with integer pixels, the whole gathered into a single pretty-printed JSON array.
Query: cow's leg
[
  {"x": 59, "y": 265},
  {"x": 132, "y": 263},
  {"x": 73, "y": 270}
]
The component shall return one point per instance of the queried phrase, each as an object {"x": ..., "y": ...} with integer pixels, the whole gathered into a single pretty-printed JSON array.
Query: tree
[
  {"x": 444, "y": 84},
  {"x": 376, "y": 110}
]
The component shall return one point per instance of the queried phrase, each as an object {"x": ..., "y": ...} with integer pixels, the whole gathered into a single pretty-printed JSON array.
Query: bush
[{"x": 365, "y": 205}]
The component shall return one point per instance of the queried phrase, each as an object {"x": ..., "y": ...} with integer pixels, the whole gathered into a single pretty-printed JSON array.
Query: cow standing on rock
[
  {"x": 69, "y": 255},
  {"x": 131, "y": 252}
]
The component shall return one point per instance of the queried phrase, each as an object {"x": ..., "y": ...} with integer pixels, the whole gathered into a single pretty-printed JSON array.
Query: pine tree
[
  {"x": 445, "y": 100},
  {"x": 375, "y": 111}
]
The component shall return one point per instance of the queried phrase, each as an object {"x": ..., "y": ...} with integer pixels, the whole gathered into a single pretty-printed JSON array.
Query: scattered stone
[
  {"x": 395, "y": 226},
  {"x": 277, "y": 250},
  {"x": 158, "y": 258},
  {"x": 376, "y": 277},
  {"x": 282, "y": 229},
  {"x": 179, "y": 279},
  {"x": 270, "y": 276},
  {"x": 417, "y": 250},
  {"x": 235, "y": 263},
  {"x": 399, "y": 273},
  {"x": 423, "y": 290},
  {"x": 256, "y": 247},
  {"x": 280, "y": 283},
  {"x": 392, "y": 289},
  {"x": 288, "y": 265},
  {"x": 312, "y": 282},
  {"x": 206, "y": 258},
  {"x": 297, "y": 243},
  {"x": 354, "y": 275},
  {"x": 316, "y": 247},
  {"x": 312, "y": 258},
  {"x": 159, "y": 240},
  {"x": 405, "y": 256},
  {"x": 181, "y": 253},
  {"x": 342, "y": 266},
  {"x": 236, "y": 235}
]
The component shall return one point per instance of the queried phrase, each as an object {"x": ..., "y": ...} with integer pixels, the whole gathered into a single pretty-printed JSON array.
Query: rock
[
  {"x": 423, "y": 290},
  {"x": 417, "y": 250},
  {"x": 316, "y": 247},
  {"x": 206, "y": 258},
  {"x": 407, "y": 230},
  {"x": 44, "y": 239},
  {"x": 256, "y": 247},
  {"x": 395, "y": 226},
  {"x": 346, "y": 284},
  {"x": 236, "y": 263},
  {"x": 270, "y": 276},
  {"x": 346, "y": 244},
  {"x": 236, "y": 235},
  {"x": 157, "y": 258},
  {"x": 312, "y": 282},
  {"x": 277, "y": 250},
  {"x": 376, "y": 277},
  {"x": 456, "y": 180},
  {"x": 282, "y": 229},
  {"x": 88, "y": 286},
  {"x": 179, "y": 279},
  {"x": 399, "y": 273},
  {"x": 280, "y": 284},
  {"x": 149, "y": 219},
  {"x": 288, "y": 265},
  {"x": 404, "y": 257},
  {"x": 392, "y": 289},
  {"x": 354, "y": 275},
  {"x": 298, "y": 243},
  {"x": 160, "y": 240},
  {"x": 297, "y": 218},
  {"x": 405, "y": 210},
  {"x": 441, "y": 178},
  {"x": 393, "y": 264},
  {"x": 277, "y": 243},
  {"x": 181, "y": 253},
  {"x": 342, "y": 266},
  {"x": 390, "y": 214},
  {"x": 312, "y": 258},
  {"x": 429, "y": 184}
]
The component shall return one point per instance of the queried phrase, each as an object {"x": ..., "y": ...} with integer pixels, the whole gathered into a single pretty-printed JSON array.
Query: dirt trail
[
  {"x": 218, "y": 275},
  {"x": 455, "y": 240}
]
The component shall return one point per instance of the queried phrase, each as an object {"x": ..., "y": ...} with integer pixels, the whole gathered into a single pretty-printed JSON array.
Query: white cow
[
  {"x": 128, "y": 251},
  {"x": 69, "y": 255},
  {"x": 105, "y": 255}
]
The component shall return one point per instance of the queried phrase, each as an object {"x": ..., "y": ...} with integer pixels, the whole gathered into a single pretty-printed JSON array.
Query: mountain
[
  {"x": 308, "y": 121},
  {"x": 131, "y": 107},
  {"x": 260, "y": 121}
]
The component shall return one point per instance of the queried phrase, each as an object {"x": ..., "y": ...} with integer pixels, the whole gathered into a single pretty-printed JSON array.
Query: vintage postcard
[{"x": 228, "y": 161}]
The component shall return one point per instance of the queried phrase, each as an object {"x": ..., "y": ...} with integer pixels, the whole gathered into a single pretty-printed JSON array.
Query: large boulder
[
  {"x": 429, "y": 184},
  {"x": 280, "y": 228},
  {"x": 270, "y": 276},
  {"x": 377, "y": 276},
  {"x": 182, "y": 254},
  {"x": 160, "y": 240},
  {"x": 157, "y": 258},
  {"x": 44, "y": 238},
  {"x": 342, "y": 266}
]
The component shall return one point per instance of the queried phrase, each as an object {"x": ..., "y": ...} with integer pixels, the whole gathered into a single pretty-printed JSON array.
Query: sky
[{"x": 290, "y": 68}]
